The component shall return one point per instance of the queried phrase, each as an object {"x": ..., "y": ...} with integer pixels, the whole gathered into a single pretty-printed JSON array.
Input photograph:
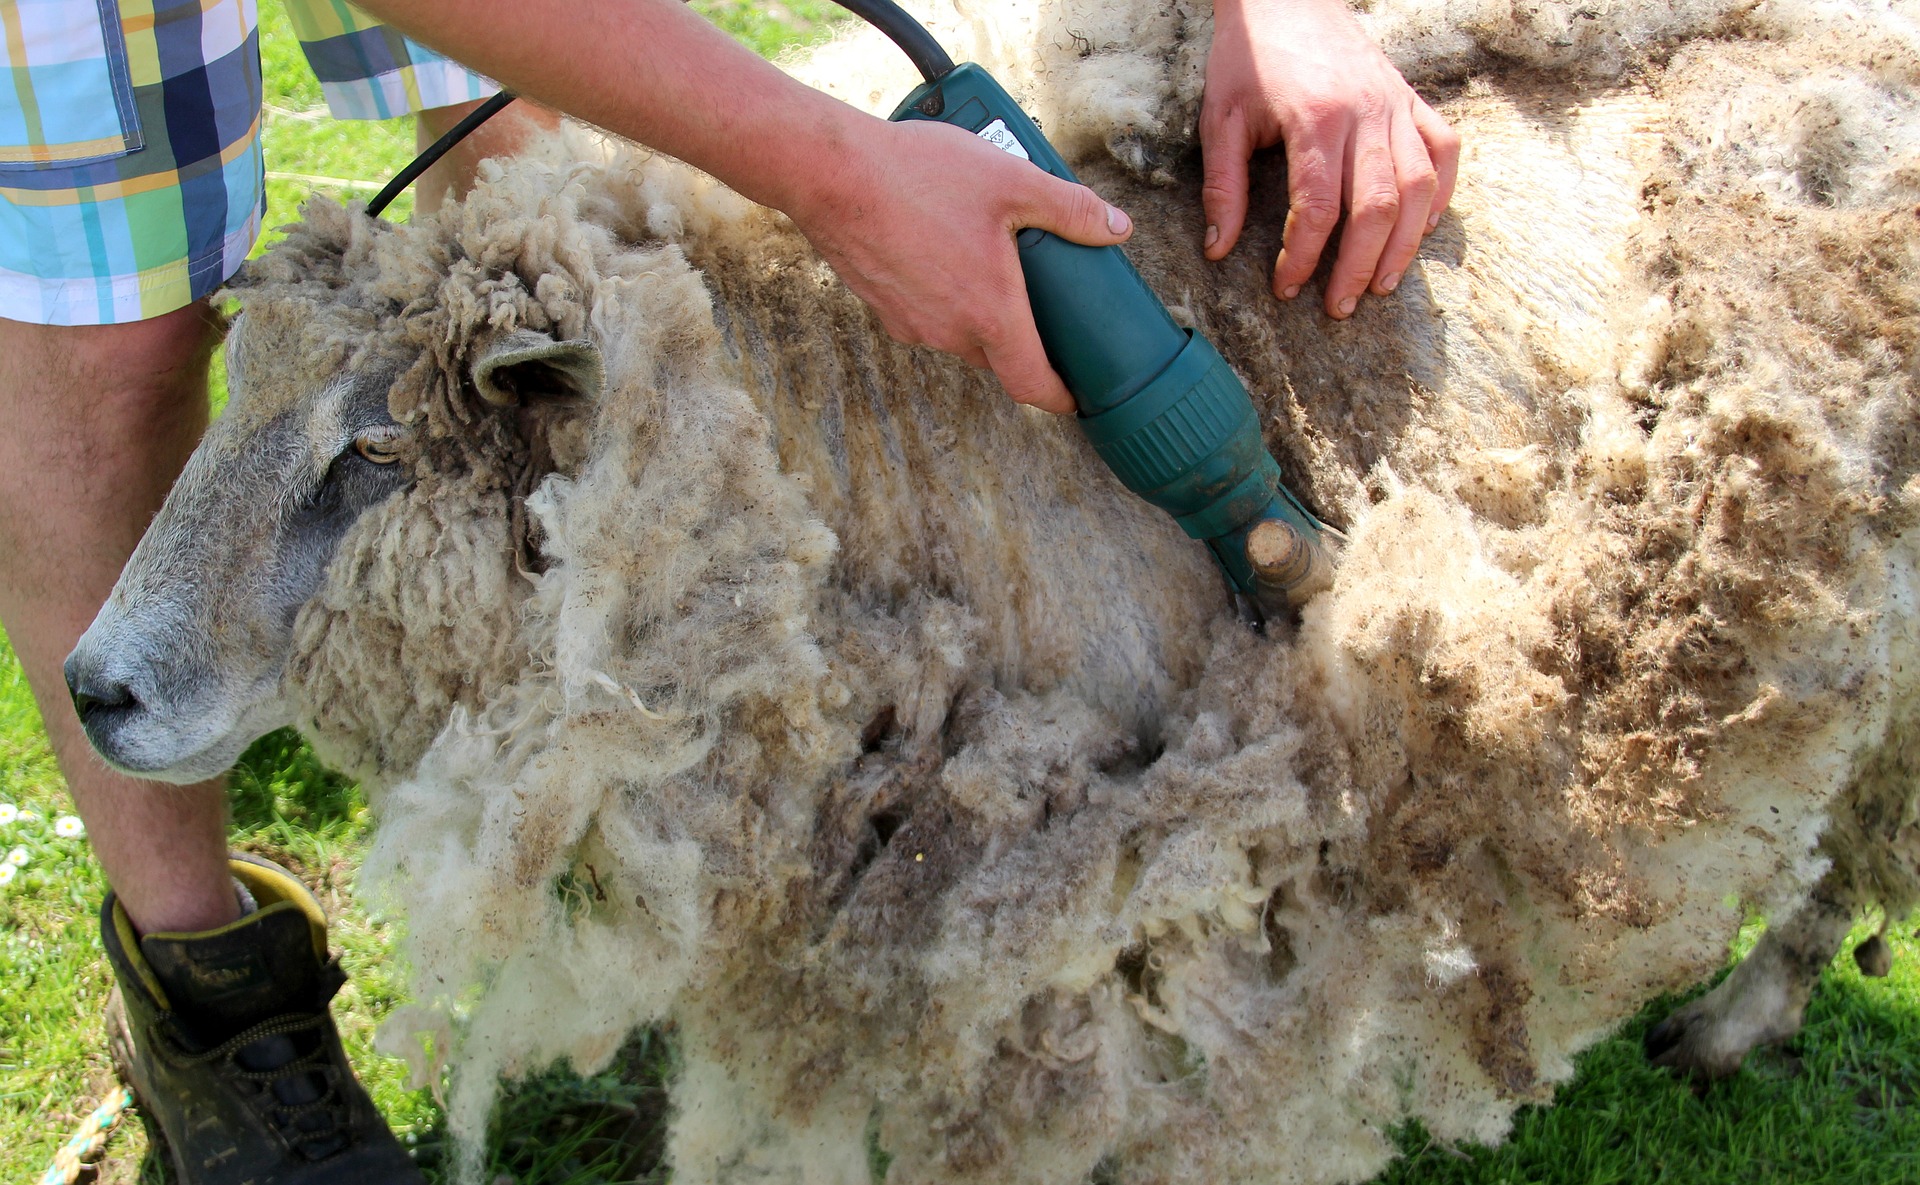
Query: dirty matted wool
[{"x": 824, "y": 705}]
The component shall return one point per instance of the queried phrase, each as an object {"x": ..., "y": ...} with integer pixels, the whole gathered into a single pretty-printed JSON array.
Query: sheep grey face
[{"x": 181, "y": 668}]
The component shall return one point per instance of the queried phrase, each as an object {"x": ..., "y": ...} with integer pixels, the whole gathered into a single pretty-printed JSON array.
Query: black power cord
[
  {"x": 436, "y": 150},
  {"x": 921, "y": 49}
]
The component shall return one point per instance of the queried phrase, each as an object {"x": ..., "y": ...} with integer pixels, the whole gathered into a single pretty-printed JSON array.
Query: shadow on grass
[
  {"x": 279, "y": 784},
  {"x": 558, "y": 1128}
]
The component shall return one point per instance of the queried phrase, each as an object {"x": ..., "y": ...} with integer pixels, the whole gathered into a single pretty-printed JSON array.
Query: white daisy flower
[
  {"x": 7, "y": 873},
  {"x": 69, "y": 827},
  {"x": 18, "y": 857},
  {"x": 8, "y": 813},
  {"x": 29, "y": 816}
]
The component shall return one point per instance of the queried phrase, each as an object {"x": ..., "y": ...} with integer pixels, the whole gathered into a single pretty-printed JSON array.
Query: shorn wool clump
[{"x": 798, "y": 691}]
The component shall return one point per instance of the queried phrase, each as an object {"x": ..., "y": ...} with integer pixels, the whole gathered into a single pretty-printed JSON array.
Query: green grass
[
  {"x": 1840, "y": 1103},
  {"x": 768, "y": 27},
  {"x": 52, "y": 981},
  {"x": 302, "y": 142}
]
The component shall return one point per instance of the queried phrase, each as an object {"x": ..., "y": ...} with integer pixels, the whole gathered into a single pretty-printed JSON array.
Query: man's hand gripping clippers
[{"x": 1159, "y": 404}]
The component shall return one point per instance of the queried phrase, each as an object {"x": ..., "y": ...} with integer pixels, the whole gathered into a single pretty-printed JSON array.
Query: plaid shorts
[{"x": 131, "y": 178}]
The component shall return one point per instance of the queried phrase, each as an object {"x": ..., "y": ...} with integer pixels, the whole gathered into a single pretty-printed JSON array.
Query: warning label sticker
[{"x": 1000, "y": 136}]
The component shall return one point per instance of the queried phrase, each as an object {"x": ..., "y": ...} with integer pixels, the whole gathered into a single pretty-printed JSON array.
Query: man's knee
[
  {"x": 72, "y": 370},
  {"x": 100, "y": 419}
]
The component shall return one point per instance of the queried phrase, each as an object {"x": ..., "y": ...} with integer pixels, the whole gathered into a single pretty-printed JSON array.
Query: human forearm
[
  {"x": 656, "y": 72},
  {"x": 918, "y": 218}
]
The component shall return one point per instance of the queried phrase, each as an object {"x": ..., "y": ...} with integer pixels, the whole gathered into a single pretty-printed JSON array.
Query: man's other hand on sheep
[
  {"x": 918, "y": 219},
  {"x": 1358, "y": 141}
]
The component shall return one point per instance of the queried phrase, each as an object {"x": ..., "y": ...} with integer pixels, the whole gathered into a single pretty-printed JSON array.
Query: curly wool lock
[{"x": 924, "y": 779}]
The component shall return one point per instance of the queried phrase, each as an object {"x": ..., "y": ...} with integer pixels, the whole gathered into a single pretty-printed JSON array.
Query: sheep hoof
[
  {"x": 1687, "y": 1043},
  {"x": 1874, "y": 957}
]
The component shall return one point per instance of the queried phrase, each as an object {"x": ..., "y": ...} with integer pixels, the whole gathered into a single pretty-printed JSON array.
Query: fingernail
[
  {"x": 1290, "y": 292},
  {"x": 1117, "y": 220},
  {"x": 1390, "y": 283},
  {"x": 1348, "y": 305},
  {"x": 1213, "y": 236},
  {"x": 1433, "y": 220}
]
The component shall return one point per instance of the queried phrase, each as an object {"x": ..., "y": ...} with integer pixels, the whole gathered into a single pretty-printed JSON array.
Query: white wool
[{"x": 863, "y": 730}]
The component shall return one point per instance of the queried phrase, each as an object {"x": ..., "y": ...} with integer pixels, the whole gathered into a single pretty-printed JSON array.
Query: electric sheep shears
[{"x": 1159, "y": 404}]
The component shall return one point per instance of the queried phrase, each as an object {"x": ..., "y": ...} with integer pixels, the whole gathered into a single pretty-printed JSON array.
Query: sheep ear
[{"x": 524, "y": 365}]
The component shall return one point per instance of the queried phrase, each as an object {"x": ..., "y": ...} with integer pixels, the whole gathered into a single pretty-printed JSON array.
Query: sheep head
[{"x": 342, "y": 436}]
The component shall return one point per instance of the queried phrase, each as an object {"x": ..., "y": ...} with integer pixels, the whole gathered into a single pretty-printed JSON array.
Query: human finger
[
  {"x": 1417, "y": 180},
  {"x": 1069, "y": 210},
  {"x": 1225, "y": 145},
  {"x": 1373, "y": 194},
  {"x": 1019, "y": 361},
  {"x": 1314, "y": 155},
  {"x": 1443, "y": 149}
]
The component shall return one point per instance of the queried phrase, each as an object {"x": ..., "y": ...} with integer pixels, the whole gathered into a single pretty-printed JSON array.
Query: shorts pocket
[{"x": 71, "y": 102}]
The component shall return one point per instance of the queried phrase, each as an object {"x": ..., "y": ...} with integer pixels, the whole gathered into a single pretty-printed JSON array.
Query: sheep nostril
[{"x": 93, "y": 697}]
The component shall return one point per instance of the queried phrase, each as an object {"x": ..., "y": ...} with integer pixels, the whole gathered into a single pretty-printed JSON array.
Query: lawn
[{"x": 1840, "y": 1103}]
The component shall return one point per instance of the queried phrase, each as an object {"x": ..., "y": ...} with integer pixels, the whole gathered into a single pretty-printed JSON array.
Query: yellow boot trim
[
  {"x": 130, "y": 946},
  {"x": 274, "y": 889},
  {"x": 270, "y": 883}
]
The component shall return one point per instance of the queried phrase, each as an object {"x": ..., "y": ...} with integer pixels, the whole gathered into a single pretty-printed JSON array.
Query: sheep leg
[{"x": 1761, "y": 1002}]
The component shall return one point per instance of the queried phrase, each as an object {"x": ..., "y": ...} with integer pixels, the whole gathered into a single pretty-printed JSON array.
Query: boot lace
[{"x": 315, "y": 1125}]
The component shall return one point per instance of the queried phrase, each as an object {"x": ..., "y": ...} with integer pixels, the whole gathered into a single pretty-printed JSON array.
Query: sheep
[{"x": 712, "y": 660}]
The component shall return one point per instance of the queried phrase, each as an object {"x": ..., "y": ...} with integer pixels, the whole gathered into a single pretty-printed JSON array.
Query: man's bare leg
[
  {"x": 503, "y": 135},
  {"x": 99, "y": 421},
  {"x": 101, "y": 418}
]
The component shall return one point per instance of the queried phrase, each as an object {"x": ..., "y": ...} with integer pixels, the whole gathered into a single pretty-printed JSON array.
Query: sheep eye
[{"x": 380, "y": 444}]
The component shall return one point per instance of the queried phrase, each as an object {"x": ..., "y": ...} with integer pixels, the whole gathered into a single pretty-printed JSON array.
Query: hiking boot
[{"x": 226, "y": 1039}]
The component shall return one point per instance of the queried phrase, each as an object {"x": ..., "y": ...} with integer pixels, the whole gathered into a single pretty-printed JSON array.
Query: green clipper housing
[{"x": 1158, "y": 403}]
